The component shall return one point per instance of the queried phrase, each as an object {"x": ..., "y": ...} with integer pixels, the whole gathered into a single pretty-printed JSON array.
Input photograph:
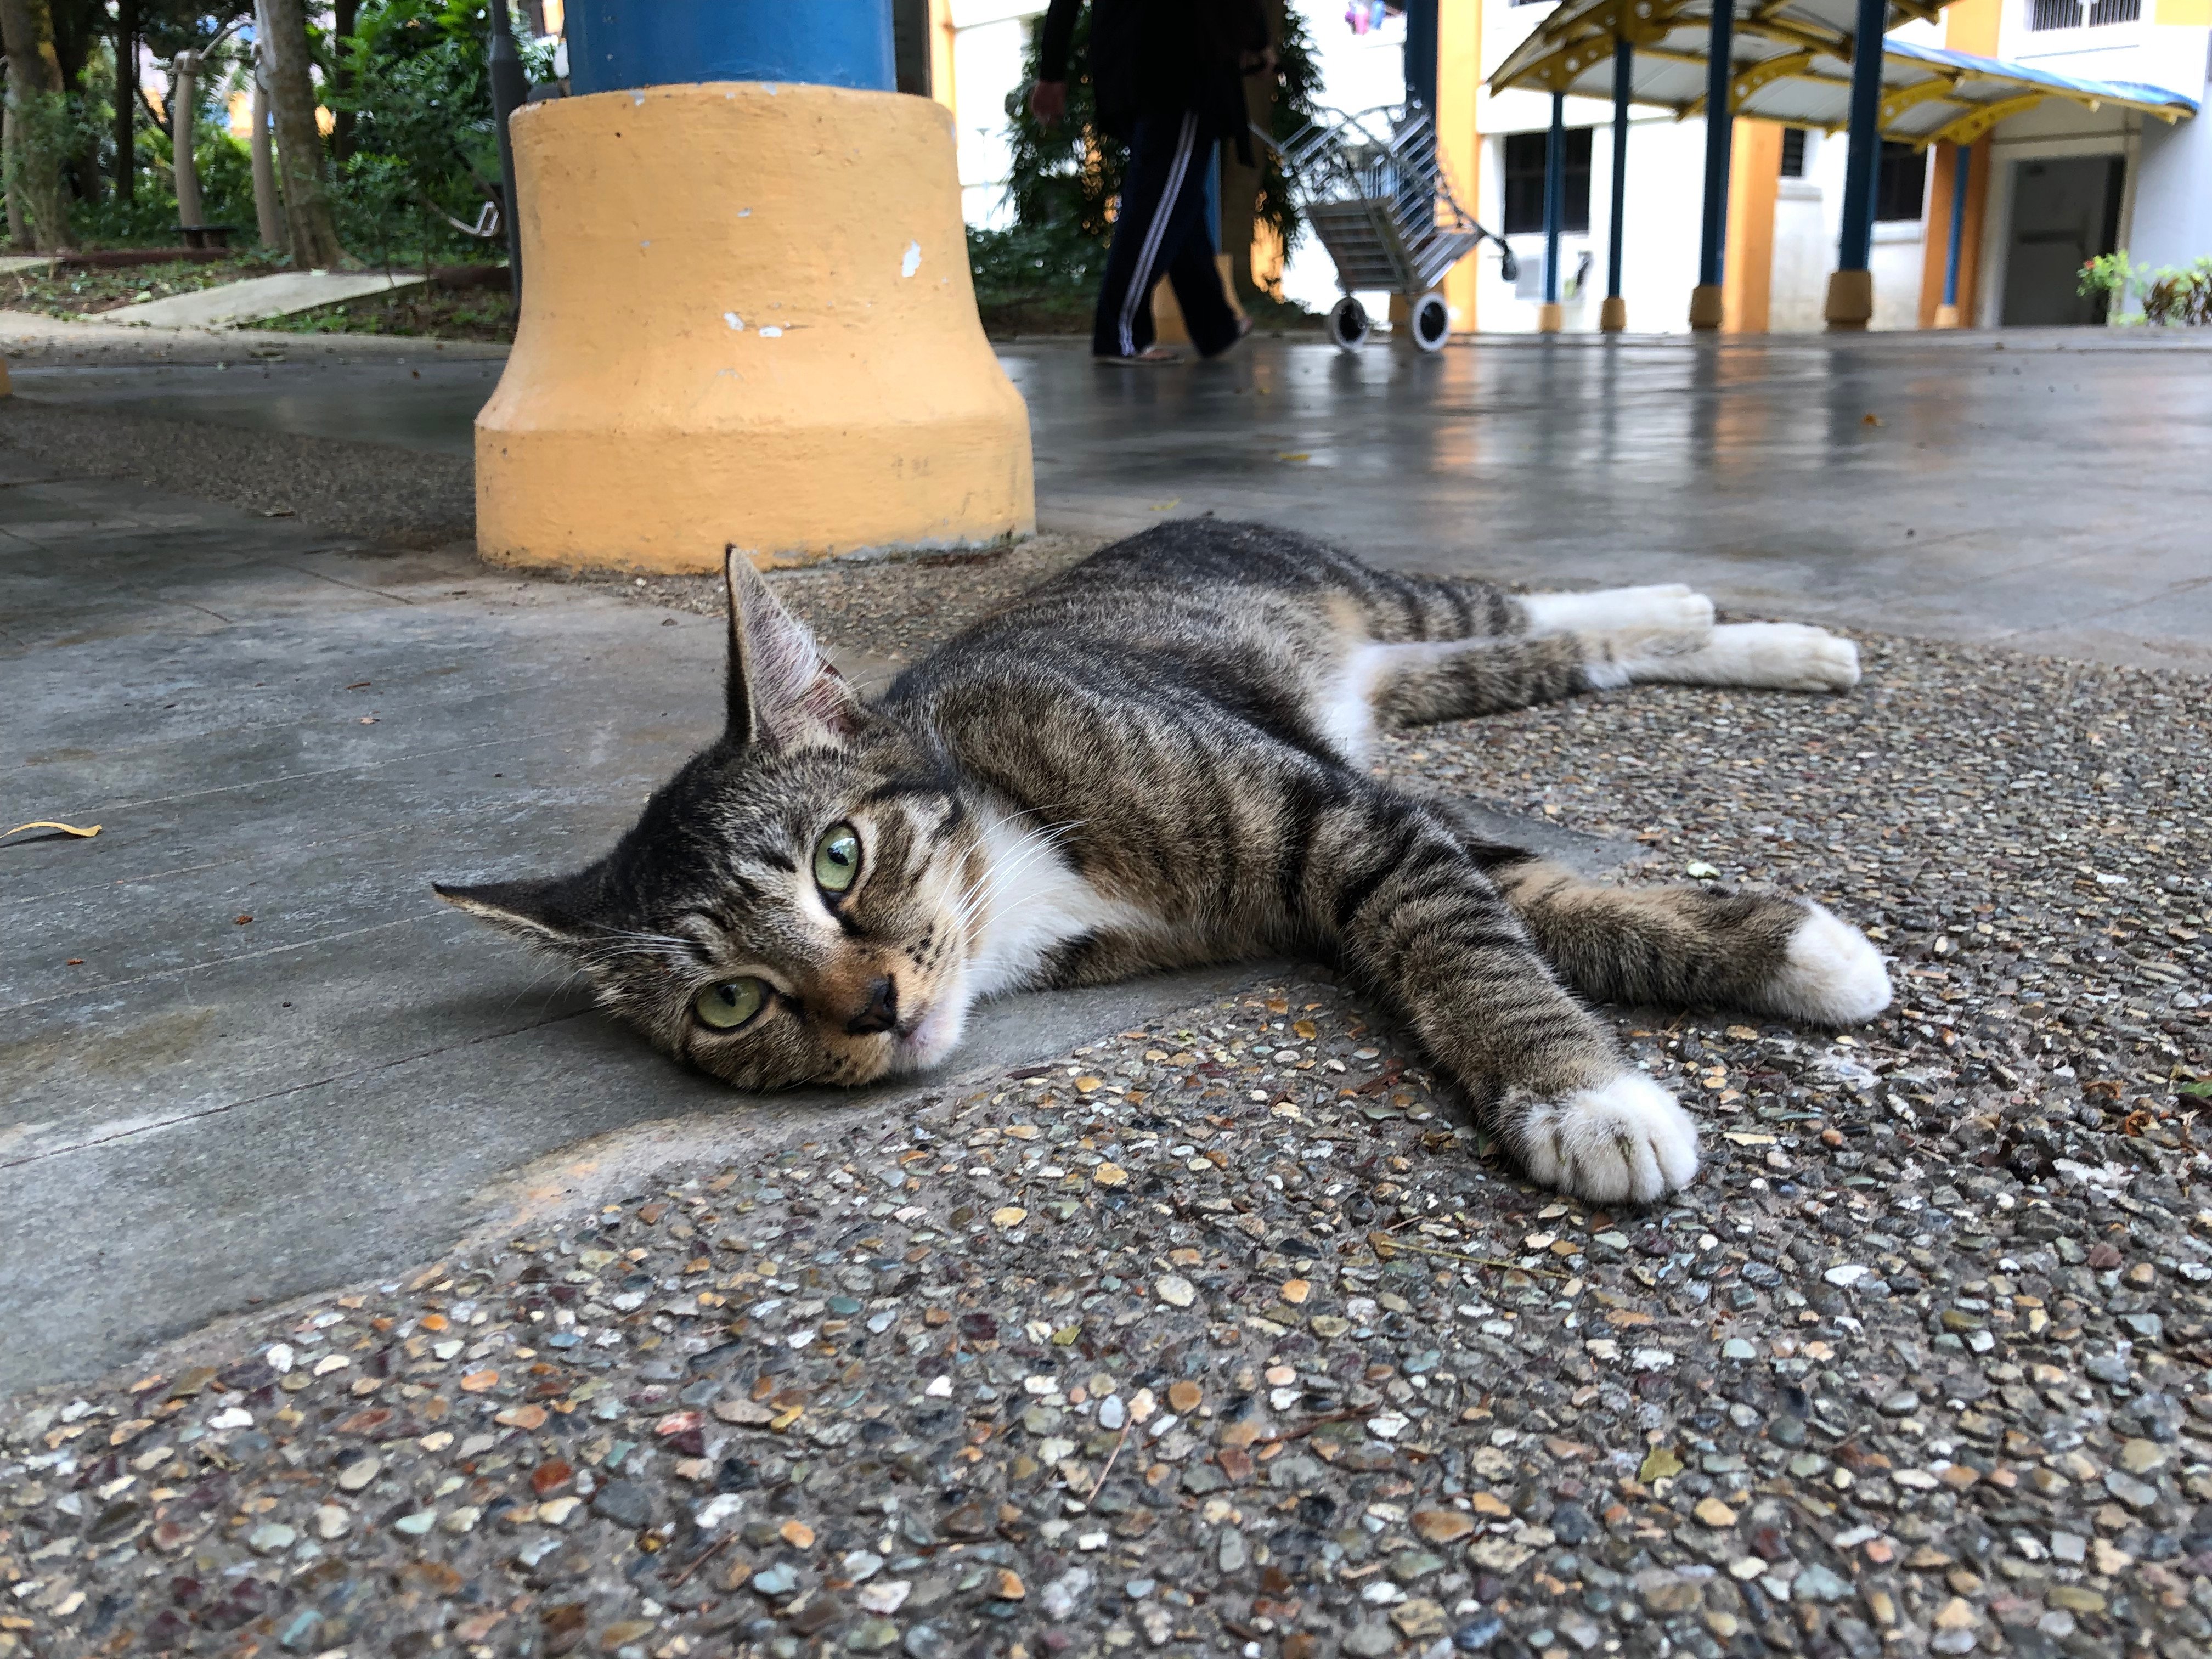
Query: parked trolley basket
[{"x": 1376, "y": 192}]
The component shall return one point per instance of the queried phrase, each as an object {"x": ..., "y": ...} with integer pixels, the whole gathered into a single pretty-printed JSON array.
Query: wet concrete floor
[{"x": 245, "y": 1054}]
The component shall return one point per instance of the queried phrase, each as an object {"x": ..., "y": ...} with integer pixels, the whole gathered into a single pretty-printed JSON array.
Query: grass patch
[{"x": 428, "y": 312}]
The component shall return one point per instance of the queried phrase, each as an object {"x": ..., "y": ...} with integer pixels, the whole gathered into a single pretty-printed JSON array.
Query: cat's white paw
[
  {"x": 1669, "y": 605},
  {"x": 1784, "y": 656},
  {"x": 1831, "y": 975},
  {"x": 1624, "y": 1141}
]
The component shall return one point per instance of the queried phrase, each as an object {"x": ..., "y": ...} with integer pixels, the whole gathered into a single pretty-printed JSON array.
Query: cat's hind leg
[
  {"x": 1683, "y": 945},
  {"x": 1670, "y": 606}
]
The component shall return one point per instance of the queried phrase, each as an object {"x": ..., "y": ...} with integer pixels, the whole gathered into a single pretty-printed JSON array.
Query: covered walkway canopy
[{"x": 1793, "y": 61}]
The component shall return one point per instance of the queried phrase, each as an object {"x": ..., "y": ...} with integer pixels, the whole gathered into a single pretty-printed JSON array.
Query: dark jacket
[{"x": 1163, "y": 58}]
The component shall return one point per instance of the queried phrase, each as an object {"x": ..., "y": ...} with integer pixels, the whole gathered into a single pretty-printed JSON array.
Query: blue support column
[
  {"x": 1421, "y": 53},
  {"x": 1962, "y": 169},
  {"x": 1612, "y": 316},
  {"x": 614, "y": 45},
  {"x": 1720, "y": 134},
  {"x": 1850, "y": 290},
  {"x": 1548, "y": 319}
]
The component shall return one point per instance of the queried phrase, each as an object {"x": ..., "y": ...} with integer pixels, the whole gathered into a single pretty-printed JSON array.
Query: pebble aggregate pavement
[{"x": 1224, "y": 1335}]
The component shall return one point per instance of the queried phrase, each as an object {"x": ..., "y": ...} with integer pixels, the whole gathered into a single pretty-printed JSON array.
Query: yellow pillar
[
  {"x": 1754, "y": 182},
  {"x": 1459, "y": 142},
  {"x": 749, "y": 322}
]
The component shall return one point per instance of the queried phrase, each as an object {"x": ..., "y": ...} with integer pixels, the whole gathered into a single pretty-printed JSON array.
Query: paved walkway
[
  {"x": 256, "y": 299},
  {"x": 2040, "y": 487}
]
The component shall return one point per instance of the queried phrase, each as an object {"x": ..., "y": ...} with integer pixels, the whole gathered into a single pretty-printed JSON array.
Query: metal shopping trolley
[{"x": 1376, "y": 193}]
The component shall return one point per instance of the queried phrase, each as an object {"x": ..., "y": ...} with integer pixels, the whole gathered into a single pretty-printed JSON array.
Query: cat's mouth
[{"x": 922, "y": 1042}]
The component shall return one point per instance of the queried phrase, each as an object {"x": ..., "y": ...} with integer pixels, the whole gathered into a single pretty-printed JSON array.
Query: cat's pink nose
[{"x": 881, "y": 1011}]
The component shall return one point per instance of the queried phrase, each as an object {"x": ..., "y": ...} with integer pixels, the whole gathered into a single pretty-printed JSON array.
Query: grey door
[{"x": 2064, "y": 213}]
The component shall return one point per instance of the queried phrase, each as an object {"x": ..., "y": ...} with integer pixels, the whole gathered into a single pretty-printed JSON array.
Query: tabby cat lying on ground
[{"x": 1157, "y": 759}]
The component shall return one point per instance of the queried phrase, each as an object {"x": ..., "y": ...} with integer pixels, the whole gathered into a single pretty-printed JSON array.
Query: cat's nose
[{"x": 881, "y": 1013}]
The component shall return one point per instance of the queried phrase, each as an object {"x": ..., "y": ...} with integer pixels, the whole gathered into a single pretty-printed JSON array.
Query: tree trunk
[
  {"x": 38, "y": 120},
  {"x": 268, "y": 209},
  {"x": 299, "y": 145},
  {"x": 19, "y": 224},
  {"x": 345, "y": 15},
  {"x": 126, "y": 99},
  {"x": 75, "y": 30},
  {"x": 183, "y": 120}
]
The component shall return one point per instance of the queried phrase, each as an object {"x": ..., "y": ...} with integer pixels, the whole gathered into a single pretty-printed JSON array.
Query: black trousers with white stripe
[{"x": 1161, "y": 231}]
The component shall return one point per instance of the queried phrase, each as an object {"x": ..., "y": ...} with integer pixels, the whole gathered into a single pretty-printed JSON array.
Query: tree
[
  {"x": 37, "y": 122},
  {"x": 126, "y": 98},
  {"x": 300, "y": 160}
]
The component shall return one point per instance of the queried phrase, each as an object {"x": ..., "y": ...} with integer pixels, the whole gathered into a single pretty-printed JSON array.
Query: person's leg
[
  {"x": 1195, "y": 272},
  {"x": 1162, "y": 158}
]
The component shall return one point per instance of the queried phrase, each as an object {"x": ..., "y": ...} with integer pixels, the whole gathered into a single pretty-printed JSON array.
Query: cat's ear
[
  {"x": 554, "y": 912},
  {"x": 782, "y": 689}
]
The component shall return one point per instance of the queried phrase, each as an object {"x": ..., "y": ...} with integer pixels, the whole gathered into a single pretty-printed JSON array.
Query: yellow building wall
[
  {"x": 941, "y": 84},
  {"x": 1972, "y": 25},
  {"x": 1459, "y": 140}
]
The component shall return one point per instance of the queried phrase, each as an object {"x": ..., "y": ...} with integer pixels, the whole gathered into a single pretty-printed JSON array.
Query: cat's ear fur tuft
[
  {"x": 551, "y": 912},
  {"x": 781, "y": 688}
]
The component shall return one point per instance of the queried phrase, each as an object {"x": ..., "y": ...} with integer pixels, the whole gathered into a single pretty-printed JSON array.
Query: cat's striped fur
[{"x": 1157, "y": 760}]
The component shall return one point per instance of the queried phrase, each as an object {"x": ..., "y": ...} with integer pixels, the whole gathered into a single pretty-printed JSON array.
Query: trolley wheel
[
  {"x": 1432, "y": 321},
  {"x": 1348, "y": 324}
]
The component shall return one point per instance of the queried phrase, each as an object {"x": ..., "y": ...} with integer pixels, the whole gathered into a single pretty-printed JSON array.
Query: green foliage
[
  {"x": 1065, "y": 178},
  {"x": 45, "y": 133},
  {"x": 1038, "y": 266},
  {"x": 417, "y": 75},
  {"x": 2172, "y": 295}
]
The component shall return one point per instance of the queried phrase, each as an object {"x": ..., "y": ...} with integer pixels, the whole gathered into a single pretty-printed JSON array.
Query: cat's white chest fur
[{"x": 1032, "y": 901}]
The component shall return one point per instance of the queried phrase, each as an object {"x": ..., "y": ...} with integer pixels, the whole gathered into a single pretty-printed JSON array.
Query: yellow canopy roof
[{"x": 1792, "y": 62}]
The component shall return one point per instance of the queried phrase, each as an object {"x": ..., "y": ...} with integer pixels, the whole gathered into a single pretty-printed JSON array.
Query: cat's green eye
[
  {"x": 731, "y": 1004},
  {"x": 837, "y": 858}
]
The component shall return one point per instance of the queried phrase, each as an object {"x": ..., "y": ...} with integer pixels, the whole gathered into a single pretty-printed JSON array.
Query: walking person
[{"x": 1168, "y": 77}]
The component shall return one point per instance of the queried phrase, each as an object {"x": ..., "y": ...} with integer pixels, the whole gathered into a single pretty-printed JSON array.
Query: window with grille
[
  {"x": 1793, "y": 152},
  {"x": 2082, "y": 14},
  {"x": 1902, "y": 183},
  {"x": 1524, "y": 182}
]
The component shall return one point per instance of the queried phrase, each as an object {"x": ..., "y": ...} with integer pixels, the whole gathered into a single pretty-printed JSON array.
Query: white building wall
[
  {"x": 989, "y": 38},
  {"x": 2171, "y": 217}
]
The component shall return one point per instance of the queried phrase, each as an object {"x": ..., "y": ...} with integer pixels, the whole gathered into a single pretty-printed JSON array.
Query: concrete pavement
[{"x": 279, "y": 726}]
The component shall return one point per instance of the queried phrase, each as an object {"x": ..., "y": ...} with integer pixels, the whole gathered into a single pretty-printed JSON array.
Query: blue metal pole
[
  {"x": 1421, "y": 53},
  {"x": 614, "y": 45},
  {"x": 1962, "y": 164},
  {"x": 1720, "y": 133},
  {"x": 1864, "y": 158},
  {"x": 1555, "y": 194},
  {"x": 1624, "y": 63}
]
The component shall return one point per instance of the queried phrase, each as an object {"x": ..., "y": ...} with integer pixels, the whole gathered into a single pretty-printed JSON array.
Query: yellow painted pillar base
[
  {"x": 748, "y": 322},
  {"x": 1707, "y": 304},
  {"x": 1551, "y": 318},
  {"x": 1851, "y": 298},
  {"x": 1613, "y": 314},
  {"x": 1947, "y": 316}
]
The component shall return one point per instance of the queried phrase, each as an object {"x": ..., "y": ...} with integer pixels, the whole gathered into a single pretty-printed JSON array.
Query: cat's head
[{"x": 797, "y": 904}]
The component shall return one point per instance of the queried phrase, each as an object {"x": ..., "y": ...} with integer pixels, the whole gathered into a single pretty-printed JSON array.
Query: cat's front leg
[{"x": 1417, "y": 918}]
